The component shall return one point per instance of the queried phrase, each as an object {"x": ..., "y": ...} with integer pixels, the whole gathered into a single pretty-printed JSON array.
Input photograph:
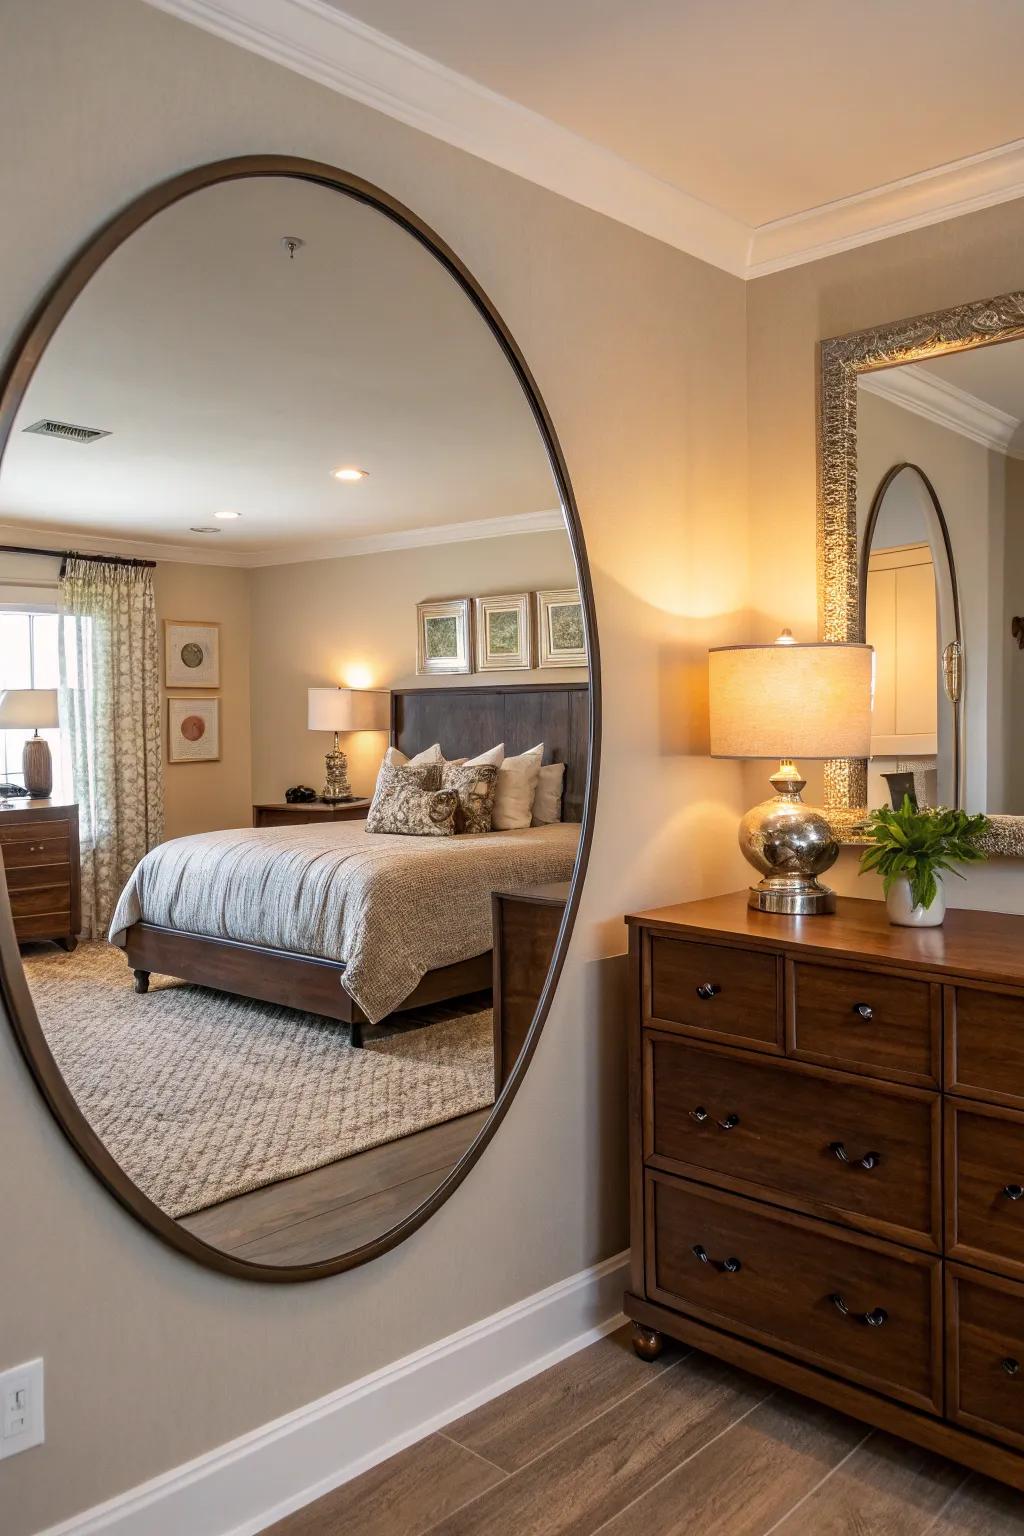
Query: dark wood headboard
[{"x": 470, "y": 720}]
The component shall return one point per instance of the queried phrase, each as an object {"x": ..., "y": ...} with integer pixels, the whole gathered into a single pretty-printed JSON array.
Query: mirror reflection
[
  {"x": 940, "y": 473},
  {"x": 294, "y": 706}
]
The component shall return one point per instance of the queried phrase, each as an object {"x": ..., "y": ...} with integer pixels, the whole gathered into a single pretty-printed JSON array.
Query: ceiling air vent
[{"x": 66, "y": 430}]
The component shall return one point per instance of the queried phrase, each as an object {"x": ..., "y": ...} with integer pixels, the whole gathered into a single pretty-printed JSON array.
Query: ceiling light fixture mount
[
  {"x": 204, "y": 530},
  {"x": 350, "y": 473},
  {"x": 292, "y": 243}
]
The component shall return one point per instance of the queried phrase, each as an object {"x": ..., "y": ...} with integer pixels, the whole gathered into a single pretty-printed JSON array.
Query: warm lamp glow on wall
[
  {"x": 786, "y": 701},
  {"x": 345, "y": 709}
]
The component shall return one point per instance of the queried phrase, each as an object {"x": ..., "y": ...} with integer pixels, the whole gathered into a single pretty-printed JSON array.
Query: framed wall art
[
  {"x": 560, "y": 627},
  {"x": 191, "y": 654},
  {"x": 504, "y": 633},
  {"x": 193, "y": 730},
  {"x": 443, "y": 636}
]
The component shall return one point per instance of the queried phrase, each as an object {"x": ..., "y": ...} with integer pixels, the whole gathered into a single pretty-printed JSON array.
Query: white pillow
[
  {"x": 495, "y": 755},
  {"x": 516, "y": 787},
  {"x": 547, "y": 802}
]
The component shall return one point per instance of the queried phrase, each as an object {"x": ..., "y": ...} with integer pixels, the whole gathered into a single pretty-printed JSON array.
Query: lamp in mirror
[
  {"x": 23, "y": 709},
  {"x": 343, "y": 710},
  {"x": 785, "y": 701}
]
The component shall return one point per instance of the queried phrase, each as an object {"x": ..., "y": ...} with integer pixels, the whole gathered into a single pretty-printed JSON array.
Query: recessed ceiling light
[
  {"x": 226, "y": 515},
  {"x": 350, "y": 472}
]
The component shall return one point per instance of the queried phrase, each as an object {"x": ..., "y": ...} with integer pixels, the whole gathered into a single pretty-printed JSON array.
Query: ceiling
[
  {"x": 755, "y": 134},
  {"x": 234, "y": 378},
  {"x": 993, "y": 375}
]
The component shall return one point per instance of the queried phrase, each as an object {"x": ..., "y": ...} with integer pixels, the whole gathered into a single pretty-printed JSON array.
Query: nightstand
[
  {"x": 284, "y": 815},
  {"x": 525, "y": 926},
  {"x": 39, "y": 846}
]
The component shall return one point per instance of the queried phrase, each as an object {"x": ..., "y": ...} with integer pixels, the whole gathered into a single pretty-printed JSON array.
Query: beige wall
[
  {"x": 353, "y": 621},
  {"x": 639, "y": 351},
  {"x": 201, "y": 796},
  {"x": 788, "y": 313}
]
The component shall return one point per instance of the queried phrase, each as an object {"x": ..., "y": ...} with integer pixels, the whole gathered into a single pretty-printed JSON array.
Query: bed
[{"x": 336, "y": 922}]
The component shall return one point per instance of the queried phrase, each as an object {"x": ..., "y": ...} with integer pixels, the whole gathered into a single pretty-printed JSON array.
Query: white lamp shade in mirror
[
  {"x": 349, "y": 709},
  {"x": 790, "y": 701},
  {"x": 28, "y": 709}
]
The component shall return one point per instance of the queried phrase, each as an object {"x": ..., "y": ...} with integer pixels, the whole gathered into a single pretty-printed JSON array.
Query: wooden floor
[
  {"x": 606, "y": 1443},
  {"x": 320, "y": 1214}
]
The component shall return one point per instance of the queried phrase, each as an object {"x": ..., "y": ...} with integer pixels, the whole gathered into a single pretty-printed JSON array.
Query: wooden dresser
[
  {"x": 525, "y": 925},
  {"x": 827, "y": 1161},
  {"x": 39, "y": 845},
  {"x": 281, "y": 814}
]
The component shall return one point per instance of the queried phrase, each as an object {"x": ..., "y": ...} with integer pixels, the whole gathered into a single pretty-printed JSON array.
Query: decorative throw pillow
[
  {"x": 411, "y": 802},
  {"x": 475, "y": 786},
  {"x": 547, "y": 802},
  {"x": 517, "y": 785}
]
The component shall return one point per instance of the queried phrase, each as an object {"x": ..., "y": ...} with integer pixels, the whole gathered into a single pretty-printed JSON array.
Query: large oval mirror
[{"x": 297, "y": 714}]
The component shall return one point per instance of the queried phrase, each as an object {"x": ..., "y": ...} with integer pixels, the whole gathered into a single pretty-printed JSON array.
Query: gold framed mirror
[{"x": 933, "y": 400}]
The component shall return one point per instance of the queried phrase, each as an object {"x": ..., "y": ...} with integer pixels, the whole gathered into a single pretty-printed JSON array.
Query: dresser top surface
[
  {"x": 37, "y": 807},
  {"x": 988, "y": 946}
]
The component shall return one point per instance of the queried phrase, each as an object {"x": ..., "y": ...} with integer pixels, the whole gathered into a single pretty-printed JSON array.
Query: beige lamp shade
[
  {"x": 28, "y": 709},
  {"x": 349, "y": 709},
  {"x": 791, "y": 701}
]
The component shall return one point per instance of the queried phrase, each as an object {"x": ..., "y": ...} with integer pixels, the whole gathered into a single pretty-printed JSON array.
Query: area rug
[{"x": 200, "y": 1095}]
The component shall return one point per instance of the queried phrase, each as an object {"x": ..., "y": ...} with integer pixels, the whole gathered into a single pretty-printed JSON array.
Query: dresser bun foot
[
  {"x": 141, "y": 981},
  {"x": 647, "y": 1342}
]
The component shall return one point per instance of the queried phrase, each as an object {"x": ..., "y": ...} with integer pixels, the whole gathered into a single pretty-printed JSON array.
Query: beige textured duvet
[{"x": 391, "y": 908}]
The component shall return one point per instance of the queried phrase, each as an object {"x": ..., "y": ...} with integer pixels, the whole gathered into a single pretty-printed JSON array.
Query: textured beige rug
[{"x": 200, "y": 1095}]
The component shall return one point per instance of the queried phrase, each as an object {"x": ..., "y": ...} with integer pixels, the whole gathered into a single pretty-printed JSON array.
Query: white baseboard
[{"x": 244, "y": 1486}]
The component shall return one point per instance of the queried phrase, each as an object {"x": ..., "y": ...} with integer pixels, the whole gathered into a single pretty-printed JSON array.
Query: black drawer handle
[
  {"x": 702, "y": 1117},
  {"x": 708, "y": 990},
  {"x": 1013, "y": 1191},
  {"x": 876, "y": 1318},
  {"x": 1011, "y": 1366},
  {"x": 726, "y": 1266},
  {"x": 869, "y": 1160},
  {"x": 864, "y": 1011}
]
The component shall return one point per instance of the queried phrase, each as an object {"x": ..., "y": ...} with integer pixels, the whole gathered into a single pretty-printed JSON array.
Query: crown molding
[
  {"x": 936, "y": 400},
  {"x": 59, "y": 540},
  {"x": 344, "y": 54}
]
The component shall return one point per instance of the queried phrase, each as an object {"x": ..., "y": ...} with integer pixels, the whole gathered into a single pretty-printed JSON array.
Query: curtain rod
[{"x": 72, "y": 554}]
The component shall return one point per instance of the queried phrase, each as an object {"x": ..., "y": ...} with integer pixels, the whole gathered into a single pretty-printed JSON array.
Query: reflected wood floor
[
  {"x": 328, "y": 1211},
  {"x": 604, "y": 1443}
]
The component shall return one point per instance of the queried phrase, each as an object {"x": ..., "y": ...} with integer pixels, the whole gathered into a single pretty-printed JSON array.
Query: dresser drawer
[
  {"x": 887, "y": 1026},
  {"x": 31, "y": 831},
  {"x": 43, "y": 898},
  {"x": 784, "y": 1281},
  {"x": 715, "y": 990},
  {"x": 30, "y": 876},
  {"x": 985, "y": 1186},
  {"x": 796, "y": 1134},
  {"x": 985, "y": 1045},
  {"x": 985, "y": 1364},
  {"x": 39, "y": 850}
]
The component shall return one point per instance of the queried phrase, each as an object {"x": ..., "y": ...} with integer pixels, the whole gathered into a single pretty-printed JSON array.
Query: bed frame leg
[
  {"x": 141, "y": 980},
  {"x": 355, "y": 1038}
]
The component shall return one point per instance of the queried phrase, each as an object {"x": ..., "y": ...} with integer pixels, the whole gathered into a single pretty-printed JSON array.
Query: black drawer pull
[
  {"x": 1013, "y": 1191},
  {"x": 869, "y": 1160},
  {"x": 876, "y": 1318},
  {"x": 707, "y": 990},
  {"x": 727, "y": 1266},
  {"x": 864, "y": 1011},
  {"x": 1011, "y": 1366},
  {"x": 701, "y": 1116}
]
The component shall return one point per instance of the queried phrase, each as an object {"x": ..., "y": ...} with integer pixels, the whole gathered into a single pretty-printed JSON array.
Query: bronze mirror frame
[
  {"x": 14, "y": 380},
  {"x": 841, "y": 360}
]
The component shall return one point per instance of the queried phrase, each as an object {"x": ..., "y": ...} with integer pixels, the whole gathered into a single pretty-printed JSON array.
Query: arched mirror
[
  {"x": 298, "y": 714},
  {"x": 910, "y": 613}
]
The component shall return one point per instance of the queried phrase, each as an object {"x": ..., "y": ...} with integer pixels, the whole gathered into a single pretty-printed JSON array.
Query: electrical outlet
[{"x": 21, "y": 1408}]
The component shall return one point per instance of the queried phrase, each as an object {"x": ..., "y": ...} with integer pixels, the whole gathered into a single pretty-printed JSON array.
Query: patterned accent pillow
[
  {"x": 475, "y": 785},
  {"x": 411, "y": 801}
]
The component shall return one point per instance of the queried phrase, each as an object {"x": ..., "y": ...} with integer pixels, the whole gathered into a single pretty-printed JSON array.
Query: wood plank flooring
[{"x": 604, "y": 1443}]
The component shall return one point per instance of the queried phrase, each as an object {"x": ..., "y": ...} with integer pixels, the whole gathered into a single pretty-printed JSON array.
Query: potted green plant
[{"x": 912, "y": 849}]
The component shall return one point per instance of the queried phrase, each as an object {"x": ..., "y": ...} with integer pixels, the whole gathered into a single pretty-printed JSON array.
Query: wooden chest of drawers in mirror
[
  {"x": 827, "y": 1160},
  {"x": 39, "y": 848}
]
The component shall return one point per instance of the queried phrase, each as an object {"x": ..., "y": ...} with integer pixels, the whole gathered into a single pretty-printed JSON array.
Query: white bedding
[{"x": 390, "y": 908}]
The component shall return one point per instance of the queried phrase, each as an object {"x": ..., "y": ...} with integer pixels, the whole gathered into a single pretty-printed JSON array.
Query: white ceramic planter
[{"x": 900, "y": 906}]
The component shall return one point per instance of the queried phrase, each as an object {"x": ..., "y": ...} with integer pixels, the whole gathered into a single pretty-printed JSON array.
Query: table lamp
[
  {"x": 345, "y": 709},
  {"x": 785, "y": 701},
  {"x": 24, "y": 709}
]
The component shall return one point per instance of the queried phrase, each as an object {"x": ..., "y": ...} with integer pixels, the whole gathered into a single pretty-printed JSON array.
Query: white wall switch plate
[{"x": 21, "y": 1408}]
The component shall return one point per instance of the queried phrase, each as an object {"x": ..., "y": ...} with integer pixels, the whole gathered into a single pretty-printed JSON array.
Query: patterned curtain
[{"x": 110, "y": 711}]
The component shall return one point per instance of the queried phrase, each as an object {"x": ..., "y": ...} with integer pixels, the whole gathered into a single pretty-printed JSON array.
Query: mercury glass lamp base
[
  {"x": 789, "y": 844},
  {"x": 792, "y": 898}
]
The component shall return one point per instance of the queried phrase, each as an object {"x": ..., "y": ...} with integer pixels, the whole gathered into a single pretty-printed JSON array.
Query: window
[{"x": 28, "y": 659}]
